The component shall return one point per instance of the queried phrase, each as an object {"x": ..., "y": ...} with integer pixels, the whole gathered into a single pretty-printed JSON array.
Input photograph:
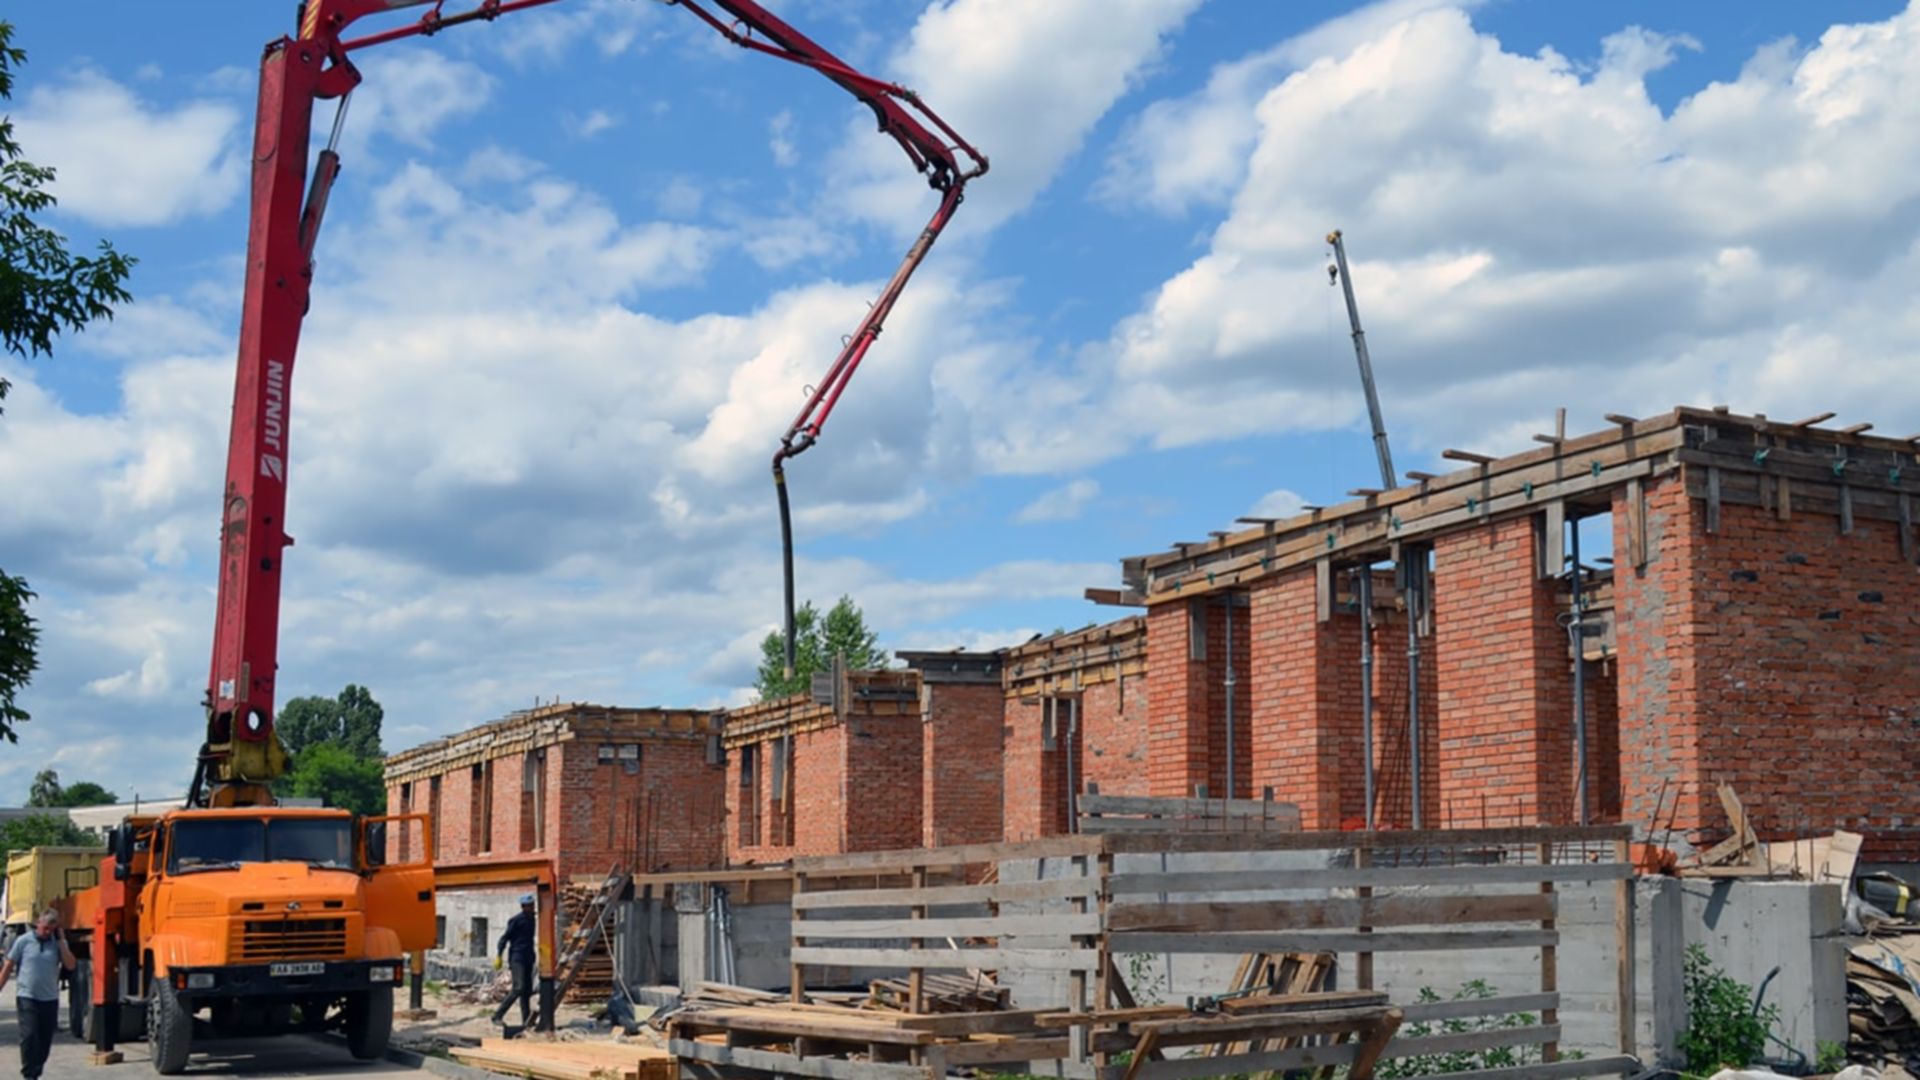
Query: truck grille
[{"x": 291, "y": 939}]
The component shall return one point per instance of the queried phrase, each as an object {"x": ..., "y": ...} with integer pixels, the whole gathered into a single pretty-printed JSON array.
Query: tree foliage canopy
[
  {"x": 44, "y": 290},
  {"x": 335, "y": 745},
  {"x": 842, "y": 632},
  {"x": 48, "y": 791},
  {"x": 330, "y": 772},
  {"x": 350, "y": 721},
  {"x": 43, "y": 830}
]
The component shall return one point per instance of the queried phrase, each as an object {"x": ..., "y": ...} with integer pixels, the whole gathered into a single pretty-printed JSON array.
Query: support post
[
  {"x": 1363, "y": 589},
  {"x": 1624, "y": 946},
  {"x": 1549, "y": 965},
  {"x": 416, "y": 980},
  {"x": 1579, "y": 628},
  {"x": 546, "y": 1003}
]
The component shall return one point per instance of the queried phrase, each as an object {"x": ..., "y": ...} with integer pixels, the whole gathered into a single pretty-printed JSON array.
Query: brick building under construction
[{"x": 1743, "y": 612}]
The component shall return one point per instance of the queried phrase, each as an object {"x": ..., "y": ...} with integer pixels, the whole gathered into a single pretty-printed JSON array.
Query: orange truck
[{"x": 261, "y": 919}]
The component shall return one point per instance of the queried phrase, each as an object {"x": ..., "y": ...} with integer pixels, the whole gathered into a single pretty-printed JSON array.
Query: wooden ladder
[{"x": 587, "y": 931}]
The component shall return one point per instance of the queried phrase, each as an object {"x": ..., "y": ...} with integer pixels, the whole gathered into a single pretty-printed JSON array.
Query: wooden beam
[
  {"x": 888, "y": 929},
  {"x": 1468, "y": 455},
  {"x": 1817, "y": 418},
  {"x": 1421, "y": 477},
  {"x": 1261, "y": 881},
  {"x": 999, "y": 892},
  {"x": 1856, "y": 429},
  {"x": 1622, "y": 419},
  {"x": 952, "y": 959},
  {"x": 1289, "y": 941},
  {"x": 1334, "y": 913}
]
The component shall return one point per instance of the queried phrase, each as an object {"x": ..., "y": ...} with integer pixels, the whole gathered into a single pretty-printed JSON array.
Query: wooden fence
[
  {"x": 1356, "y": 894},
  {"x": 1103, "y": 814}
]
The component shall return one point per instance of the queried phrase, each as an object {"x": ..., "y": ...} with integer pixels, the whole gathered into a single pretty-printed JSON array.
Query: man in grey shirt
[{"x": 38, "y": 959}]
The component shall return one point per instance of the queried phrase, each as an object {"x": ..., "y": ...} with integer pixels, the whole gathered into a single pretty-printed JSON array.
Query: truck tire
[
  {"x": 79, "y": 999},
  {"x": 369, "y": 1022},
  {"x": 169, "y": 1028}
]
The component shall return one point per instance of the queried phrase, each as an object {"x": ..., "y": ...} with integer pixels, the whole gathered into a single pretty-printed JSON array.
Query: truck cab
[{"x": 262, "y": 919}]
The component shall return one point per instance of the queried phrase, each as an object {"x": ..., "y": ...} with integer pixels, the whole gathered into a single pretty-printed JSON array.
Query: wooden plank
[
  {"x": 772, "y": 1061},
  {"x": 1558, "y": 1070},
  {"x": 951, "y": 959},
  {"x": 1549, "y": 962},
  {"x": 1553, "y": 537},
  {"x": 1233, "y": 826},
  {"x": 851, "y": 1026},
  {"x": 1277, "y": 1004},
  {"x": 1363, "y": 963},
  {"x": 1193, "y": 1030},
  {"x": 1333, "y": 840},
  {"x": 1006, "y": 1051},
  {"x": 1063, "y": 924},
  {"x": 1143, "y": 804},
  {"x": 1488, "y": 1039},
  {"x": 956, "y": 855},
  {"x": 1636, "y": 506},
  {"x": 1256, "y": 881},
  {"x": 976, "y": 1023},
  {"x": 1332, "y": 914},
  {"x": 936, "y": 895},
  {"x": 1322, "y": 590},
  {"x": 1375, "y": 1044},
  {"x": 1304, "y": 941},
  {"x": 1198, "y": 1066},
  {"x": 1428, "y": 1012}
]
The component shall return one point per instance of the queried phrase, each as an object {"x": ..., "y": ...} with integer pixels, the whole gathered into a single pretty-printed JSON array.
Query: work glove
[{"x": 496, "y": 963}]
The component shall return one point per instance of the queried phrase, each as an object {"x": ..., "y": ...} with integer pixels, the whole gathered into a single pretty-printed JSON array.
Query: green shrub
[
  {"x": 1724, "y": 1031},
  {"x": 1499, "y": 1057}
]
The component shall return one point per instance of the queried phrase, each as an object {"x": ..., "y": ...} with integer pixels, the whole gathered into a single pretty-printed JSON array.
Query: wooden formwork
[{"x": 946, "y": 911}]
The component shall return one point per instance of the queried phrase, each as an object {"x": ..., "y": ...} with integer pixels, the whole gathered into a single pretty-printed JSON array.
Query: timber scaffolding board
[
  {"x": 1078, "y": 658},
  {"x": 948, "y": 916},
  {"x": 1794, "y": 465},
  {"x": 1123, "y": 813}
]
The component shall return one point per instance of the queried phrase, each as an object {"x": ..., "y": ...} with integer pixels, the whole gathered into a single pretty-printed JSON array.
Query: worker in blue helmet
[{"x": 516, "y": 944}]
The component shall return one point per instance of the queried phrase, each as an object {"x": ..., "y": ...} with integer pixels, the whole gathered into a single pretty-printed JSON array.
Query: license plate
[{"x": 304, "y": 967}]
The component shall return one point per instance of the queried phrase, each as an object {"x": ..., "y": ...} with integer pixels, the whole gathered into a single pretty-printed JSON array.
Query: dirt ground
[{"x": 460, "y": 1020}]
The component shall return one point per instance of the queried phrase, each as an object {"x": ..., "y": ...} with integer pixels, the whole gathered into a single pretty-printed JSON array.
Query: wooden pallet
[{"x": 558, "y": 1060}]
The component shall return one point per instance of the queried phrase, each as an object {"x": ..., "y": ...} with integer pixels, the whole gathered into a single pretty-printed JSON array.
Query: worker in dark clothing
[{"x": 516, "y": 944}]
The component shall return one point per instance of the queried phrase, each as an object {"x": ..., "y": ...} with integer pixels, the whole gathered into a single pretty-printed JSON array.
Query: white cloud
[
  {"x": 596, "y": 122},
  {"x": 1064, "y": 503},
  {"x": 1527, "y": 231},
  {"x": 780, "y": 139},
  {"x": 1021, "y": 81},
  {"x": 123, "y": 160},
  {"x": 407, "y": 95},
  {"x": 1279, "y": 503}
]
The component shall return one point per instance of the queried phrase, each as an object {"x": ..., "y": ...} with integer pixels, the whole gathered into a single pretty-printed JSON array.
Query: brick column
[
  {"x": 1177, "y": 744},
  {"x": 1505, "y": 682},
  {"x": 1304, "y": 677}
]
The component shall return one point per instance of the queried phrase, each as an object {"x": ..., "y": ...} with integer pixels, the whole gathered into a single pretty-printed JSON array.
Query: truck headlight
[
  {"x": 381, "y": 973},
  {"x": 200, "y": 980}
]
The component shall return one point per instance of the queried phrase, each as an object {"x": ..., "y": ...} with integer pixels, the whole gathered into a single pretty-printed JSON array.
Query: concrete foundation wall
[{"x": 455, "y": 960}]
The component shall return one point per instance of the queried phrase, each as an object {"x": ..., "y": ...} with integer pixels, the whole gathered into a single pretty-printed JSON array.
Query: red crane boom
[{"x": 242, "y": 754}]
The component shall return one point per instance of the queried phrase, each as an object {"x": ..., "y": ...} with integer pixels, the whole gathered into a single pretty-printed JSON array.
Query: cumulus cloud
[
  {"x": 1279, "y": 503},
  {"x": 1021, "y": 81},
  {"x": 123, "y": 160},
  {"x": 1064, "y": 503},
  {"x": 1522, "y": 226}
]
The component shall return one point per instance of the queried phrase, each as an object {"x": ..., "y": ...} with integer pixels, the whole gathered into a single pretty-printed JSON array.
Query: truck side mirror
[
  {"x": 120, "y": 841},
  {"x": 374, "y": 851}
]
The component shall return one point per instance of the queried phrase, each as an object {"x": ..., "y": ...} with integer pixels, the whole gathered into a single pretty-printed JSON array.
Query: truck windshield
[{"x": 225, "y": 843}]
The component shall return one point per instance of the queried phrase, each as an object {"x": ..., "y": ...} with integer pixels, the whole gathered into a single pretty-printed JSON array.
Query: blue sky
[{"x": 582, "y": 262}]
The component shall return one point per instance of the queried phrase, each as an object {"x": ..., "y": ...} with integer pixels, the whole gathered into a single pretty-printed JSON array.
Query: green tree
[
  {"x": 351, "y": 721},
  {"x": 44, "y": 289},
  {"x": 43, "y": 830},
  {"x": 45, "y": 790},
  {"x": 817, "y": 640},
  {"x": 336, "y": 775},
  {"x": 86, "y": 793}
]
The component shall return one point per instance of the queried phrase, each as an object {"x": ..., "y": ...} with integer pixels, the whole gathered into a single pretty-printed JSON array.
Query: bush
[{"x": 1724, "y": 1030}]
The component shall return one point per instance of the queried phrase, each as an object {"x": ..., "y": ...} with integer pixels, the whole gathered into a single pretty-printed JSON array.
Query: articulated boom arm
[{"x": 242, "y": 754}]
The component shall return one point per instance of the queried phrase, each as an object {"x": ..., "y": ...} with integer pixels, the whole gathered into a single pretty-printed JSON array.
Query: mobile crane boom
[{"x": 241, "y": 754}]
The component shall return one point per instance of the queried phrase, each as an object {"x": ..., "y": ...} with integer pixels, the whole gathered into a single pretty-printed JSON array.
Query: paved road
[{"x": 294, "y": 1055}]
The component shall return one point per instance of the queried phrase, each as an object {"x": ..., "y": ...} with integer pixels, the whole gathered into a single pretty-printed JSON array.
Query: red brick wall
[
  {"x": 1505, "y": 743},
  {"x": 962, "y": 767},
  {"x": 1177, "y": 745},
  {"x": 1028, "y": 812},
  {"x": 884, "y": 782},
  {"x": 1778, "y": 656},
  {"x": 1305, "y": 695},
  {"x": 819, "y": 787},
  {"x": 1113, "y": 725},
  {"x": 664, "y": 814}
]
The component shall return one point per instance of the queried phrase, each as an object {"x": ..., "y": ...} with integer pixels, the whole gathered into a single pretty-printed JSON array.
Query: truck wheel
[
  {"x": 79, "y": 999},
  {"x": 369, "y": 1022},
  {"x": 169, "y": 1029}
]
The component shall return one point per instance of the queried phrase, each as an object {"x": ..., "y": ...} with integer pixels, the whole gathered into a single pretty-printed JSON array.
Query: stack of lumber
[
  {"x": 544, "y": 1059},
  {"x": 1263, "y": 976},
  {"x": 594, "y": 983},
  {"x": 942, "y": 994},
  {"x": 804, "y": 1039}
]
